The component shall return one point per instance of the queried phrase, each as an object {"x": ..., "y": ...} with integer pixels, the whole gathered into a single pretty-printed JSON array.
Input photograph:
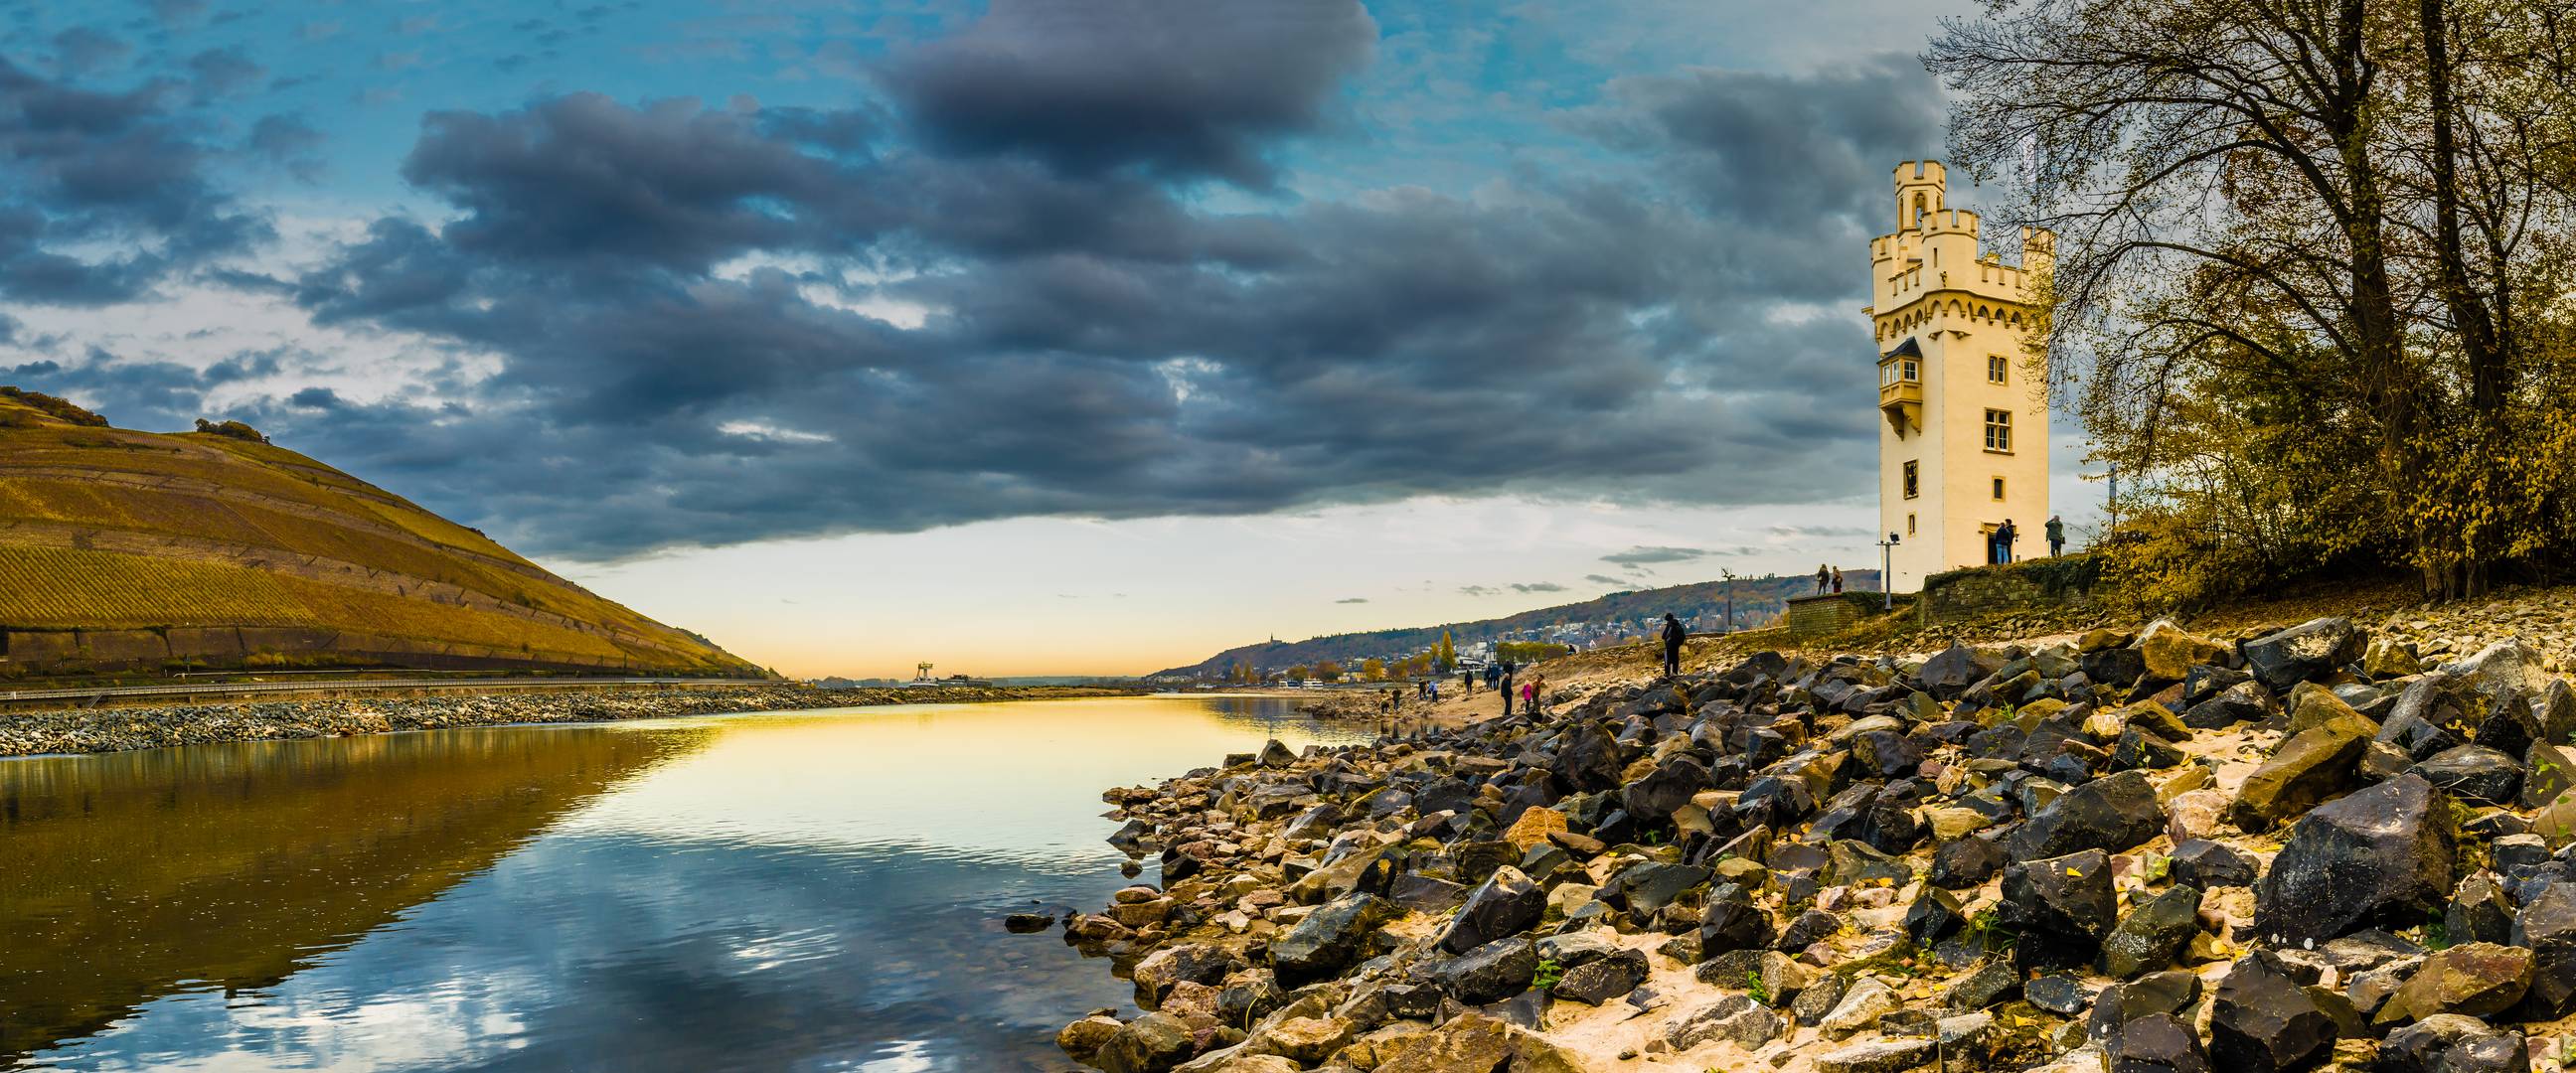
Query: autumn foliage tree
[{"x": 2310, "y": 292}]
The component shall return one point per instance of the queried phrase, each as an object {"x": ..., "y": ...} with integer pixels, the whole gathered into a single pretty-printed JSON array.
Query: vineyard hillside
[{"x": 127, "y": 551}]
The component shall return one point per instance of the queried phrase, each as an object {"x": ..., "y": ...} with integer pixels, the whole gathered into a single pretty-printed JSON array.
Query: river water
[{"x": 791, "y": 891}]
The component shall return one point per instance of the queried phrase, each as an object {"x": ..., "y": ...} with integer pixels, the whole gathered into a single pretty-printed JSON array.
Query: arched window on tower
[{"x": 1918, "y": 208}]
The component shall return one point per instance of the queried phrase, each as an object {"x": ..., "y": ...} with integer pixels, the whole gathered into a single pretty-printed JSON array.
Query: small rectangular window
[
  {"x": 1909, "y": 525},
  {"x": 1913, "y": 372},
  {"x": 1999, "y": 488},
  {"x": 1995, "y": 366},
  {"x": 1999, "y": 431},
  {"x": 1911, "y": 486}
]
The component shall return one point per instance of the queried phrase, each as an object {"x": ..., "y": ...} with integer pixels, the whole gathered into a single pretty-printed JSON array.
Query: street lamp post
[{"x": 1887, "y": 572}]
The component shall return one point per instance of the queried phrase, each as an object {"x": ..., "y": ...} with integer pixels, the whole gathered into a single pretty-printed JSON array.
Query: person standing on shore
[
  {"x": 1838, "y": 581},
  {"x": 2004, "y": 538},
  {"x": 1534, "y": 693},
  {"x": 1821, "y": 578},
  {"x": 2056, "y": 536},
  {"x": 1507, "y": 689},
  {"x": 1673, "y": 634}
]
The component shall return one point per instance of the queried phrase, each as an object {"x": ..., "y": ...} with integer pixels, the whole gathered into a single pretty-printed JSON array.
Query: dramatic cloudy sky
[{"x": 1034, "y": 336}]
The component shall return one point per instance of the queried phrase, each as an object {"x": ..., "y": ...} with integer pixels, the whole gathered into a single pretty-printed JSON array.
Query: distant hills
[
  {"x": 123, "y": 550},
  {"x": 1701, "y": 605}
]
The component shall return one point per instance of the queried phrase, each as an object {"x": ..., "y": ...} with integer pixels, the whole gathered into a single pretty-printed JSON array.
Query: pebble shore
[
  {"x": 2280, "y": 850},
  {"x": 102, "y": 730}
]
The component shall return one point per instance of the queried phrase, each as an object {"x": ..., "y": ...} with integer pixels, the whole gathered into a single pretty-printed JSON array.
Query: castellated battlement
[
  {"x": 1926, "y": 172},
  {"x": 1950, "y": 221}
]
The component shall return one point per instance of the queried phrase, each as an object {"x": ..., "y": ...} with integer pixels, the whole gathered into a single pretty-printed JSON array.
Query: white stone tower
[{"x": 1964, "y": 443}]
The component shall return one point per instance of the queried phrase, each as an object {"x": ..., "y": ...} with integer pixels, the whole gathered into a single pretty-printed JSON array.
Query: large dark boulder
[
  {"x": 2206, "y": 864},
  {"x": 2547, "y": 925},
  {"x": 1731, "y": 921},
  {"x": 1965, "y": 862},
  {"x": 1600, "y": 980},
  {"x": 2119, "y": 1004},
  {"x": 1664, "y": 789},
  {"x": 2155, "y": 930},
  {"x": 2475, "y": 772},
  {"x": 2113, "y": 813},
  {"x": 2303, "y": 652},
  {"x": 2452, "y": 1043},
  {"x": 1493, "y": 972},
  {"x": 1956, "y": 668},
  {"x": 2378, "y": 856},
  {"x": 1506, "y": 904},
  {"x": 2157, "y": 1043},
  {"x": 1587, "y": 760},
  {"x": 2243, "y": 702},
  {"x": 1647, "y": 888},
  {"x": 2119, "y": 668},
  {"x": 2262, "y": 1021},
  {"x": 1330, "y": 939},
  {"x": 2061, "y": 906}
]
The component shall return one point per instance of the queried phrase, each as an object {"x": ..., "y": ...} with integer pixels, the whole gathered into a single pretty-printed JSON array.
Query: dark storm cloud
[
  {"x": 222, "y": 72},
  {"x": 698, "y": 313},
  {"x": 288, "y": 142},
  {"x": 1645, "y": 556},
  {"x": 1176, "y": 87},
  {"x": 84, "y": 50},
  {"x": 670, "y": 183},
  {"x": 82, "y": 169}
]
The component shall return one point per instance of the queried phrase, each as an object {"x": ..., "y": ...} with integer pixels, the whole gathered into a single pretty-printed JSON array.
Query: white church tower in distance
[{"x": 1964, "y": 443}]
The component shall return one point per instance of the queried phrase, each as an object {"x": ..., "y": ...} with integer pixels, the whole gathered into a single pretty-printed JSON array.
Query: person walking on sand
[
  {"x": 1822, "y": 577},
  {"x": 2056, "y": 536},
  {"x": 1673, "y": 634},
  {"x": 1838, "y": 581}
]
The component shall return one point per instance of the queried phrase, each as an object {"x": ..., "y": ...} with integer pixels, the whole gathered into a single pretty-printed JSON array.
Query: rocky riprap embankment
[
  {"x": 2159, "y": 854},
  {"x": 102, "y": 730}
]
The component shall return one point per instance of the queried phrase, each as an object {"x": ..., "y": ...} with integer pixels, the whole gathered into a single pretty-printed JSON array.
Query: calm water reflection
[{"x": 806, "y": 891}]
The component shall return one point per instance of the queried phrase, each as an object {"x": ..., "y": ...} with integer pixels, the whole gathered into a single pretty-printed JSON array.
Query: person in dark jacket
[
  {"x": 2005, "y": 537},
  {"x": 1673, "y": 634},
  {"x": 2056, "y": 536},
  {"x": 1823, "y": 576},
  {"x": 1507, "y": 689}
]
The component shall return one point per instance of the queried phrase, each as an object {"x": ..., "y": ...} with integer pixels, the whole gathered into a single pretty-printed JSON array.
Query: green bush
[{"x": 62, "y": 409}]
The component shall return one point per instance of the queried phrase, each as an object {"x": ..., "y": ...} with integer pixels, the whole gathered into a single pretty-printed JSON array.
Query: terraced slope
[{"x": 139, "y": 550}]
